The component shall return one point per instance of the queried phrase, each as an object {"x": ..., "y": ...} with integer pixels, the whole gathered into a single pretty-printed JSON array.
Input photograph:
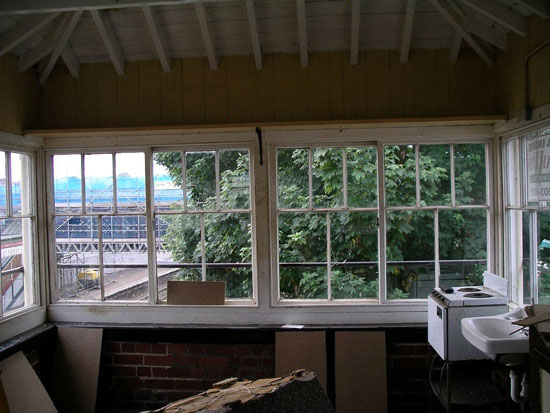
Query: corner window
[{"x": 17, "y": 232}]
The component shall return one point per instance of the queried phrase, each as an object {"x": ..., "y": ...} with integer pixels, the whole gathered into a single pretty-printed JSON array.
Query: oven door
[{"x": 437, "y": 327}]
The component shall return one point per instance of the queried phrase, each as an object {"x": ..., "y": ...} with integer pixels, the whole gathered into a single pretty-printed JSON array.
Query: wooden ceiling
[{"x": 45, "y": 33}]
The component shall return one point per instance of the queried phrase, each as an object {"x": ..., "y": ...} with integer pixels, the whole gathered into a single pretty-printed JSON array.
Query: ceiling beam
[
  {"x": 539, "y": 7},
  {"x": 302, "y": 31},
  {"x": 23, "y": 30},
  {"x": 355, "y": 23},
  {"x": 109, "y": 40},
  {"x": 486, "y": 32},
  {"x": 59, "y": 43},
  {"x": 255, "y": 39},
  {"x": 407, "y": 32},
  {"x": 71, "y": 61},
  {"x": 158, "y": 38},
  {"x": 9, "y": 7},
  {"x": 206, "y": 37},
  {"x": 500, "y": 14},
  {"x": 457, "y": 22},
  {"x": 454, "y": 48}
]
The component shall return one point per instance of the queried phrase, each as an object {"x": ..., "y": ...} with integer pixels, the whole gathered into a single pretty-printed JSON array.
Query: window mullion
[
  {"x": 83, "y": 184},
  {"x": 115, "y": 201},
  {"x": 452, "y": 166},
  {"x": 9, "y": 210},
  {"x": 533, "y": 220},
  {"x": 203, "y": 249},
  {"x": 1, "y": 281},
  {"x": 382, "y": 288},
  {"x": 151, "y": 228},
  {"x": 417, "y": 173},
  {"x": 217, "y": 170},
  {"x": 184, "y": 179},
  {"x": 436, "y": 247},
  {"x": 310, "y": 177},
  {"x": 100, "y": 255},
  {"x": 329, "y": 274},
  {"x": 345, "y": 177}
]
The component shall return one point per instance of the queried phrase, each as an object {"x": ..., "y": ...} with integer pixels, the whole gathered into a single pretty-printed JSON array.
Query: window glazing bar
[
  {"x": 83, "y": 183},
  {"x": 533, "y": 221},
  {"x": 436, "y": 246},
  {"x": 217, "y": 171},
  {"x": 329, "y": 274},
  {"x": 345, "y": 177},
  {"x": 9, "y": 206},
  {"x": 382, "y": 288},
  {"x": 310, "y": 177},
  {"x": 203, "y": 249},
  {"x": 417, "y": 173},
  {"x": 151, "y": 228},
  {"x": 115, "y": 201},
  {"x": 184, "y": 179},
  {"x": 100, "y": 255},
  {"x": 453, "y": 190}
]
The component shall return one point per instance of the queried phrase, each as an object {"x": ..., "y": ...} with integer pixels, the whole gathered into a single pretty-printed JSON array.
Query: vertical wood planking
[
  {"x": 171, "y": 95},
  {"x": 378, "y": 84},
  {"x": 86, "y": 97},
  {"x": 407, "y": 82},
  {"x": 193, "y": 90},
  {"x": 107, "y": 97},
  {"x": 2, "y": 92},
  {"x": 149, "y": 92},
  {"x": 12, "y": 95},
  {"x": 283, "y": 65},
  {"x": 355, "y": 89},
  {"x": 471, "y": 81},
  {"x": 128, "y": 96},
  {"x": 424, "y": 86},
  {"x": 396, "y": 85},
  {"x": 318, "y": 89},
  {"x": 30, "y": 104},
  {"x": 264, "y": 98},
  {"x": 215, "y": 95},
  {"x": 336, "y": 62},
  {"x": 61, "y": 102},
  {"x": 443, "y": 104},
  {"x": 240, "y": 85}
]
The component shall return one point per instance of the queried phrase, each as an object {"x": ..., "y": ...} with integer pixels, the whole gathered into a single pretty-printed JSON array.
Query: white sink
[{"x": 493, "y": 335}]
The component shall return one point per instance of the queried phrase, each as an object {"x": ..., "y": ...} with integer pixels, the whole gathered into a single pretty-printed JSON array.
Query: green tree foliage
[{"x": 353, "y": 234}]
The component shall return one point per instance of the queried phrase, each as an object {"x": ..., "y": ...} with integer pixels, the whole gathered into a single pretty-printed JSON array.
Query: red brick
[
  {"x": 271, "y": 350},
  {"x": 134, "y": 359},
  {"x": 196, "y": 385},
  {"x": 268, "y": 362},
  {"x": 160, "y": 371},
  {"x": 158, "y": 348},
  {"x": 213, "y": 361},
  {"x": 195, "y": 349},
  {"x": 248, "y": 361},
  {"x": 221, "y": 373},
  {"x": 183, "y": 360},
  {"x": 242, "y": 350},
  {"x": 157, "y": 360},
  {"x": 219, "y": 349},
  {"x": 143, "y": 348},
  {"x": 158, "y": 384},
  {"x": 127, "y": 347},
  {"x": 112, "y": 347},
  {"x": 196, "y": 373},
  {"x": 142, "y": 394},
  {"x": 257, "y": 350},
  {"x": 177, "y": 348},
  {"x": 143, "y": 371},
  {"x": 120, "y": 371},
  {"x": 179, "y": 372},
  {"x": 127, "y": 382}
]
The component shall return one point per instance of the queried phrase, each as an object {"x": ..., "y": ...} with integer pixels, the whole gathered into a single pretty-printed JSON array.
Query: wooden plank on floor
[
  {"x": 301, "y": 350},
  {"x": 360, "y": 371},
  {"x": 76, "y": 369}
]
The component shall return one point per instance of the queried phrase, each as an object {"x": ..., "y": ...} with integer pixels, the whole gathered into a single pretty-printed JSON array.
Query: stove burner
[
  {"x": 469, "y": 290},
  {"x": 478, "y": 295}
]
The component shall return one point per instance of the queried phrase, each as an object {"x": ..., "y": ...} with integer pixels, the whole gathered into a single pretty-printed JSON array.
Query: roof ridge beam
[
  {"x": 457, "y": 22},
  {"x": 500, "y": 14},
  {"x": 158, "y": 38},
  {"x": 23, "y": 30},
  {"x": 355, "y": 24},
  {"x": 109, "y": 40},
  {"x": 60, "y": 42},
  {"x": 206, "y": 36},
  {"x": 255, "y": 39},
  {"x": 407, "y": 31}
]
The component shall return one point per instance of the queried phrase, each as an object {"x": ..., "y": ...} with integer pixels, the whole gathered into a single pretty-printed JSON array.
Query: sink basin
[{"x": 493, "y": 334}]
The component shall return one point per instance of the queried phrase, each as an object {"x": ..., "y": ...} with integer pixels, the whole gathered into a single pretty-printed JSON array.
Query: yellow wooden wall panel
[
  {"x": 86, "y": 96},
  {"x": 318, "y": 88},
  {"x": 396, "y": 85},
  {"x": 443, "y": 83},
  {"x": 424, "y": 83},
  {"x": 283, "y": 82},
  {"x": 240, "y": 89},
  {"x": 59, "y": 99},
  {"x": 3, "y": 80},
  {"x": 128, "y": 95},
  {"x": 407, "y": 78},
  {"x": 336, "y": 62},
  {"x": 193, "y": 90},
  {"x": 264, "y": 97},
  {"x": 171, "y": 95},
  {"x": 355, "y": 89},
  {"x": 149, "y": 92},
  {"x": 378, "y": 84},
  {"x": 106, "y": 95},
  {"x": 13, "y": 95},
  {"x": 215, "y": 92}
]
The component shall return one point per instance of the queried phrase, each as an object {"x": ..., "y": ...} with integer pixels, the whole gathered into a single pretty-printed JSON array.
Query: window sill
[{"x": 22, "y": 320}]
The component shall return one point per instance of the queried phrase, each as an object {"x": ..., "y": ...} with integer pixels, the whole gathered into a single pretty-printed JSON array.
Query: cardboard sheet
[
  {"x": 196, "y": 292},
  {"x": 301, "y": 350},
  {"x": 22, "y": 386},
  {"x": 360, "y": 371},
  {"x": 76, "y": 369}
]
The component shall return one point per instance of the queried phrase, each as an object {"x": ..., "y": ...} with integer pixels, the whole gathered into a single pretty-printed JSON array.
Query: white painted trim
[
  {"x": 254, "y": 38},
  {"x": 109, "y": 40},
  {"x": 71, "y": 61},
  {"x": 407, "y": 31},
  {"x": 502, "y": 15},
  {"x": 158, "y": 39},
  {"x": 302, "y": 31},
  {"x": 206, "y": 36},
  {"x": 23, "y": 30},
  {"x": 20, "y": 322},
  {"x": 488, "y": 33},
  {"x": 539, "y": 7},
  {"x": 454, "y": 47},
  {"x": 355, "y": 24}
]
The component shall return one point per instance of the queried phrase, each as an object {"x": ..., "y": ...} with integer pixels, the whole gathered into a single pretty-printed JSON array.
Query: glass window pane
[
  {"x": 400, "y": 174},
  {"x": 362, "y": 177},
  {"x": 167, "y": 181},
  {"x": 130, "y": 182},
  {"x": 462, "y": 247},
  {"x": 125, "y": 258},
  {"x": 470, "y": 177},
  {"x": 543, "y": 262},
  {"x": 17, "y": 263},
  {"x": 302, "y": 255},
  {"x": 292, "y": 178},
  {"x": 327, "y": 179},
  {"x": 234, "y": 180},
  {"x": 3, "y": 198},
  {"x": 354, "y": 254},
  {"x": 67, "y": 183},
  {"x": 76, "y": 250},
  {"x": 200, "y": 172},
  {"x": 435, "y": 174},
  {"x": 98, "y": 171},
  {"x": 410, "y": 254}
]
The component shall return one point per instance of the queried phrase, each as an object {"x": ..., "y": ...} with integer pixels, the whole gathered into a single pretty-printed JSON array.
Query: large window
[
  {"x": 527, "y": 215},
  {"x": 17, "y": 232},
  {"x": 340, "y": 224}
]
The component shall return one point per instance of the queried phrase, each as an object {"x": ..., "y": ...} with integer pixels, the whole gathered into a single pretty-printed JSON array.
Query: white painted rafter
[
  {"x": 500, "y": 14},
  {"x": 302, "y": 31},
  {"x": 60, "y": 42},
  {"x": 255, "y": 39},
  {"x": 23, "y": 30},
  {"x": 407, "y": 32},
  {"x": 355, "y": 23},
  {"x": 158, "y": 38},
  {"x": 109, "y": 40},
  {"x": 454, "y": 48},
  {"x": 206, "y": 36},
  {"x": 486, "y": 32},
  {"x": 71, "y": 61},
  {"x": 457, "y": 22},
  {"x": 539, "y": 7}
]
